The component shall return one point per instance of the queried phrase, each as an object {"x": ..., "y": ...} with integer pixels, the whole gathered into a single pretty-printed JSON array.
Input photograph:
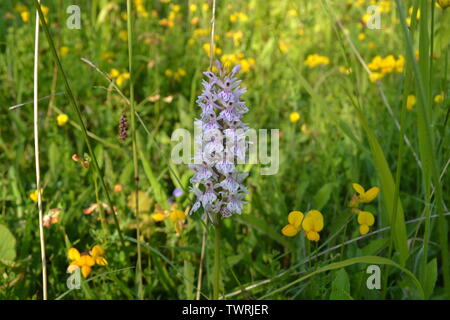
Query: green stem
[
  {"x": 135, "y": 153},
  {"x": 75, "y": 106},
  {"x": 216, "y": 270}
]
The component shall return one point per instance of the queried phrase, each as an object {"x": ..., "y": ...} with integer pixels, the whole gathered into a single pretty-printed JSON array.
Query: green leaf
[
  {"x": 7, "y": 244},
  {"x": 322, "y": 196},
  {"x": 188, "y": 280},
  {"x": 431, "y": 275},
  {"x": 53, "y": 159},
  {"x": 158, "y": 191},
  {"x": 340, "y": 288}
]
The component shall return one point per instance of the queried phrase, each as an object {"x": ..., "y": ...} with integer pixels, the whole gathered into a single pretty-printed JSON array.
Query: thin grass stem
[{"x": 36, "y": 156}]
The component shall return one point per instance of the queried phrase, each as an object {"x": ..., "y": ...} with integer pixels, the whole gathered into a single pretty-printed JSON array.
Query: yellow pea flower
[
  {"x": 344, "y": 70},
  {"x": 122, "y": 78},
  {"x": 195, "y": 20},
  {"x": 295, "y": 219},
  {"x": 25, "y": 15},
  {"x": 34, "y": 195},
  {"x": 62, "y": 119},
  {"x": 83, "y": 261},
  {"x": 294, "y": 117},
  {"x": 283, "y": 46},
  {"x": 123, "y": 35},
  {"x": 375, "y": 76},
  {"x": 114, "y": 73},
  {"x": 439, "y": 98},
  {"x": 411, "y": 102},
  {"x": 97, "y": 253},
  {"x": 313, "y": 224},
  {"x": 177, "y": 215},
  {"x": 366, "y": 220},
  {"x": 193, "y": 8},
  {"x": 365, "y": 196},
  {"x": 159, "y": 216},
  {"x": 63, "y": 51}
]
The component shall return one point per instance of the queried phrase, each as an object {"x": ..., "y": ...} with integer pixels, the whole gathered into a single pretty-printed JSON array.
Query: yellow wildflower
[
  {"x": 366, "y": 220},
  {"x": 193, "y": 7},
  {"x": 295, "y": 219},
  {"x": 83, "y": 261},
  {"x": 313, "y": 224},
  {"x": 314, "y": 60},
  {"x": 25, "y": 15},
  {"x": 365, "y": 196},
  {"x": 206, "y": 48},
  {"x": 62, "y": 119},
  {"x": 238, "y": 16},
  {"x": 195, "y": 20},
  {"x": 344, "y": 70},
  {"x": 34, "y": 195},
  {"x": 283, "y": 46},
  {"x": 178, "y": 217},
  {"x": 122, "y": 78},
  {"x": 123, "y": 35},
  {"x": 168, "y": 73},
  {"x": 411, "y": 102},
  {"x": 294, "y": 117},
  {"x": 63, "y": 51},
  {"x": 439, "y": 98},
  {"x": 375, "y": 76},
  {"x": 114, "y": 73},
  {"x": 97, "y": 253}
]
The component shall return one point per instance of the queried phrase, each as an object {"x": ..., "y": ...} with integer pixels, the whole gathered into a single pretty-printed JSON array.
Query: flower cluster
[
  {"x": 86, "y": 260},
  {"x": 120, "y": 77},
  {"x": 220, "y": 144},
  {"x": 312, "y": 224},
  {"x": 314, "y": 60},
  {"x": 365, "y": 218},
  {"x": 173, "y": 17},
  {"x": 383, "y": 66}
]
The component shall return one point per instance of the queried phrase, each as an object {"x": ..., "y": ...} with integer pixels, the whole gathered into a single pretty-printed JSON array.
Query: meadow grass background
[{"x": 350, "y": 130}]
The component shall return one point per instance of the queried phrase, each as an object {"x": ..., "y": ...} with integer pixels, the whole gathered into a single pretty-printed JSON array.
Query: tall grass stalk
[
  {"x": 36, "y": 157},
  {"x": 430, "y": 171},
  {"x": 77, "y": 110},
  {"x": 135, "y": 152}
]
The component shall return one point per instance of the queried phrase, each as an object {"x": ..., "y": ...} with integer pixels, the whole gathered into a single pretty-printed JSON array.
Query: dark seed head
[{"x": 123, "y": 127}]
